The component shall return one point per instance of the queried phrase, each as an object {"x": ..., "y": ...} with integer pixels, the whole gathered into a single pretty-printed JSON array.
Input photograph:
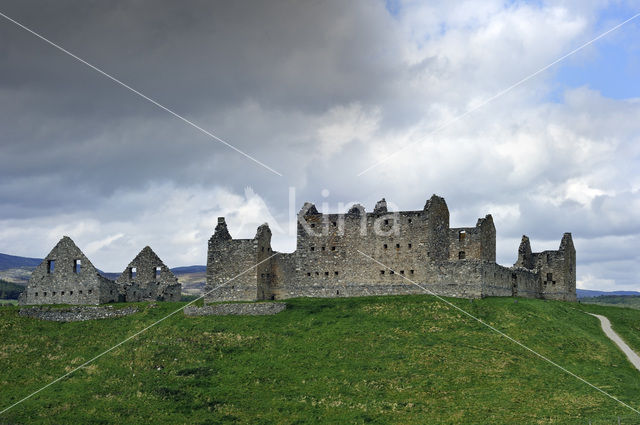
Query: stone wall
[
  {"x": 330, "y": 247},
  {"x": 348, "y": 255},
  {"x": 556, "y": 271},
  {"x": 473, "y": 243},
  {"x": 463, "y": 278},
  {"x": 147, "y": 278},
  {"x": 500, "y": 281},
  {"x": 232, "y": 273},
  {"x": 525, "y": 256},
  {"x": 235, "y": 309},
  {"x": 264, "y": 268},
  {"x": 66, "y": 276},
  {"x": 76, "y": 314}
]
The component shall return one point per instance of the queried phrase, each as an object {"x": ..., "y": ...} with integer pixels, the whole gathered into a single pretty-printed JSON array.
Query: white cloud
[
  {"x": 346, "y": 124},
  {"x": 174, "y": 221},
  {"x": 592, "y": 282},
  {"x": 95, "y": 246}
]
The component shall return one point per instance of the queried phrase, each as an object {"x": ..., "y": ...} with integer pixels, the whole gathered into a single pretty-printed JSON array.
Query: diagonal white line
[
  {"x": 499, "y": 94},
  {"x": 500, "y": 332},
  {"x": 164, "y": 108},
  {"x": 133, "y": 336}
]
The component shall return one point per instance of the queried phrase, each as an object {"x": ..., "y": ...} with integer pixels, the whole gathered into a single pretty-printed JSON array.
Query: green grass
[
  {"x": 378, "y": 360},
  {"x": 624, "y": 321}
]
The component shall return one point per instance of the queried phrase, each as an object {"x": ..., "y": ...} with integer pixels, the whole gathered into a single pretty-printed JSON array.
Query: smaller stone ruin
[
  {"x": 66, "y": 276},
  {"x": 146, "y": 278}
]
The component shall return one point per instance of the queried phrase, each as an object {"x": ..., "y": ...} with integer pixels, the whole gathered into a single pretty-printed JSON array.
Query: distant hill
[
  {"x": 15, "y": 262},
  {"x": 586, "y": 293},
  {"x": 178, "y": 271},
  {"x": 109, "y": 275},
  {"x": 189, "y": 269},
  {"x": 631, "y": 301},
  {"x": 19, "y": 276}
]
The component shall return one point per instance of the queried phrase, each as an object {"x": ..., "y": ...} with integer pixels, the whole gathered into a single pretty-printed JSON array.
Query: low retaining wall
[
  {"x": 75, "y": 314},
  {"x": 237, "y": 309}
]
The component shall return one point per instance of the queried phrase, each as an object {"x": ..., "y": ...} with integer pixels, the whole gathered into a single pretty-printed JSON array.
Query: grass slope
[
  {"x": 409, "y": 359},
  {"x": 624, "y": 321}
]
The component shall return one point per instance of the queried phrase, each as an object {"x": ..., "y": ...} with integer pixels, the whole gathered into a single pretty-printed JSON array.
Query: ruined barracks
[
  {"x": 337, "y": 255},
  {"x": 66, "y": 276},
  {"x": 384, "y": 253}
]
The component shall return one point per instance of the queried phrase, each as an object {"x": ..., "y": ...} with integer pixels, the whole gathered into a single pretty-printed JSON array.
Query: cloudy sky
[{"x": 320, "y": 91}]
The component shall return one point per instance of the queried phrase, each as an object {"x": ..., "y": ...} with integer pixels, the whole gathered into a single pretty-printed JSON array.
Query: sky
[{"x": 341, "y": 101}]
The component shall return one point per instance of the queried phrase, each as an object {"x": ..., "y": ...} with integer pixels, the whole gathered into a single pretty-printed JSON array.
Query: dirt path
[{"x": 606, "y": 327}]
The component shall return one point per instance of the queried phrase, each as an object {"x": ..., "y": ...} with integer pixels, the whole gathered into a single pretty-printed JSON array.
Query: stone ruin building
[
  {"x": 146, "y": 278},
  {"x": 333, "y": 258},
  {"x": 66, "y": 276},
  {"x": 337, "y": 255}
]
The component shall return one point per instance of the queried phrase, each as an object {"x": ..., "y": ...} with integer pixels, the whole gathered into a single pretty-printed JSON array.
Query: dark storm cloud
[
  {"x": 190, "y": 55},
  {"x": 201, "y": 59},
  {"x": 319, "y": 91}
]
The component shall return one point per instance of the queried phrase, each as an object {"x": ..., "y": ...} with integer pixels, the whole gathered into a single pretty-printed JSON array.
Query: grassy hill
[{"x": 376, "y": 360}]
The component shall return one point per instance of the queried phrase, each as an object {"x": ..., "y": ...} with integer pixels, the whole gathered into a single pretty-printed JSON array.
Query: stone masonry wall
[
  {"x": 66, "y": 276},
  {"x": 264, "y": 268},
  {"x": 75, "y": 314},
  {"x": 473, "y": 243},
  {"x": 147, "y": 278},
  {"x": 235, "y": 309},
  {"x": 556, "y": 271},
  {"x": 231, "y": 267},
  {"x": 348, "y": 255},
  {"x": 330, "y": 247},
  {"x": 500, "y": 281}
]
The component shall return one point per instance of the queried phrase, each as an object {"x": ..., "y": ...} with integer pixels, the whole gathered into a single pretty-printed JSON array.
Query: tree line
[{"x": 9, "y": 290}]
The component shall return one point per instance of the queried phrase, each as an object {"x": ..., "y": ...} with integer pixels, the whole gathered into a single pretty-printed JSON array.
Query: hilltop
[
  {"x": 400, "y": 359},
  {"x": 14, "y": 262},
  {"x": 15, "y": 269},
  {"x": 588, "y": 293}
]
